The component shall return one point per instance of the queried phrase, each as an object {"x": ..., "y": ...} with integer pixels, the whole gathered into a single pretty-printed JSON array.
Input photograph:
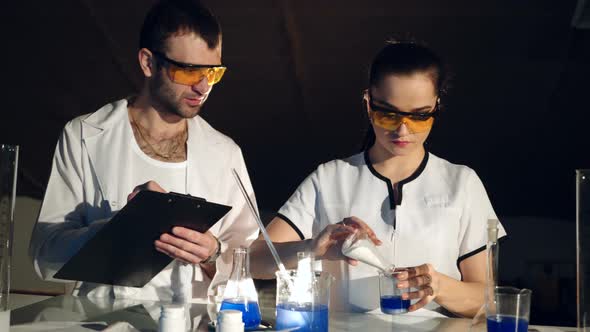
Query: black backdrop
[{"x": 517, "y": 112}]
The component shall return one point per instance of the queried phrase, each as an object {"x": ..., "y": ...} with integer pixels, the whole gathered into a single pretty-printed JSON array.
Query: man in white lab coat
[{"x": 153, "y": 141}]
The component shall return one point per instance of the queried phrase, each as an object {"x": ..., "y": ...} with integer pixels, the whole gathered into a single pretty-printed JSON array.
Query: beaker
[
  {"x": 390, "y": 296},
  {"x": 296, "y": 314},
  {"x": 508, "y": 310}
]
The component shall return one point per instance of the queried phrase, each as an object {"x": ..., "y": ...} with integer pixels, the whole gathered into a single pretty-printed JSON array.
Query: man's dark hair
[{"x": 173, "y": 17}]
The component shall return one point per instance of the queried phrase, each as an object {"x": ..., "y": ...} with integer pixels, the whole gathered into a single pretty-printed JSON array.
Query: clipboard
[{"x": 123, "y": 253}]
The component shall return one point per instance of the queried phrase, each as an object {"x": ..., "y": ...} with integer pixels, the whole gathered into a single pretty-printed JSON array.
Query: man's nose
[{"x": 202, "y": 87}]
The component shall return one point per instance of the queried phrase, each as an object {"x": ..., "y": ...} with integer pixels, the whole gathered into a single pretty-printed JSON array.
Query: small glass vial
[
  {"x": 172, "y": 319},
  {"x": 229, "y": 321}
]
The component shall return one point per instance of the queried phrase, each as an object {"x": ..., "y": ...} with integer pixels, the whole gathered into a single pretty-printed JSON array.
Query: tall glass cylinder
[
  {"x": 479, "y": 322},
  {"x": 582, "y": 247},
  {"x": 8, "y": 169}
]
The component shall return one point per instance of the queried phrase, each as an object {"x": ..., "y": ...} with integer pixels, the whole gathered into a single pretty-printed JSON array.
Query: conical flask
[
  {"x": 479, "y": 322},
  {"x": 358, "y": 246},
  {"x": 240, "y": 293}
]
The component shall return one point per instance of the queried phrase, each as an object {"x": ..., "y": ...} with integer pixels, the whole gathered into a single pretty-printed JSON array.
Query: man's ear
[{"x": 146, "y": 62}]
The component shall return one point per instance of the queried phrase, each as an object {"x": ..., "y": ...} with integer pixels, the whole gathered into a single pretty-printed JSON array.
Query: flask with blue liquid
[{"x": 240, "y": 293}]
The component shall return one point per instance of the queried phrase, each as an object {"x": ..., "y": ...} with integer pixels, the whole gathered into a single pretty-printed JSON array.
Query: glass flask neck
[{"x": 241, "y": 264}]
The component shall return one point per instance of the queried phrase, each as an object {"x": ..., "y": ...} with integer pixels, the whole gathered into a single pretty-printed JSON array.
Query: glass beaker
[
  {"x": 296, "y": 315},
  {"x": 240, "y": 293},
  {"x": 390, "y": 296},
  {"x": 508, "y": 310},
  {"x": 8, "y": 171},
  {"x": 583, "y": 247}
]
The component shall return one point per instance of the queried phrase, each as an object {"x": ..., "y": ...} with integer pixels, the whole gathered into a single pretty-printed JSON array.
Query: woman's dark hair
[
  {"x": 405, "y": 58},
  {"x": 170, "y": 17}
]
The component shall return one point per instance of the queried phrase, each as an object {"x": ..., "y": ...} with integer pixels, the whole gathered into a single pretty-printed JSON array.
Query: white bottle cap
[
  {"x": 172, "y": 319},
  {"x": 229, "y": 321}
]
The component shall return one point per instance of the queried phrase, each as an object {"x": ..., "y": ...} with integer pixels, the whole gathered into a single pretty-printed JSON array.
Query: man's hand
[
  {"x": 150, "y": 185},
  {"x": 184, "y": 244},
  {"x": 187, "y": 245}
]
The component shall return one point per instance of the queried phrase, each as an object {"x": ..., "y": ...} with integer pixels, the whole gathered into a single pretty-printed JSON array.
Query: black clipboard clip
[{"x": 187, "y": 196}]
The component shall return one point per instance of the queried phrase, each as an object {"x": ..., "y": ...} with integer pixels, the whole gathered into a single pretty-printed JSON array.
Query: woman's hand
[
  {"x": 425, "y": 279},
  {"x": 360, "y": 225},
  {"x": 328, "y": 244}
]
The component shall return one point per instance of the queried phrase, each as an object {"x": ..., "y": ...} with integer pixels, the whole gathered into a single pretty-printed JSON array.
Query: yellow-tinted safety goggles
[
  {"x": 191, "y": 74},
  {"x": 391, "y": 119}
]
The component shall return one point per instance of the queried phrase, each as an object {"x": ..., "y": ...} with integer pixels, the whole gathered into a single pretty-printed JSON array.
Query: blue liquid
[
  {"x": 501, "y": 323},
  {"x": 306, "y": 318},
  {"x": 393, "y": 304},
  {"x": 250, "y": 311}
]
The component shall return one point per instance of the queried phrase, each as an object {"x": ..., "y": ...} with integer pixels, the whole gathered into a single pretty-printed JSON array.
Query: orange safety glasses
[
  {"x": 391, "y": 119},
  {"x": 191, "y": 74}
]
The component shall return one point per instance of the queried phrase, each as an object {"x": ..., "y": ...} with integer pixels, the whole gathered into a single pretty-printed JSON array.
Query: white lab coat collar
[{"x": 106, "y": 134}]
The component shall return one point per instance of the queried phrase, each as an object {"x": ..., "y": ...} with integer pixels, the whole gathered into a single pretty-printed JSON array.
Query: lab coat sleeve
[
  {"x": 300, "y": 210},
  {"x": 474, "y": 218},
  {"x": 62, "y": 227}
]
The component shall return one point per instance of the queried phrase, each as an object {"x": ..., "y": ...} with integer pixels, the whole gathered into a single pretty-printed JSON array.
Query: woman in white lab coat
[{"x": 435, "y": 210}]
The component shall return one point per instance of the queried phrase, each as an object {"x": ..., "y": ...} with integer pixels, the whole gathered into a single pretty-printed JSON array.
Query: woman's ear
[{"x": 366, "y": 103}]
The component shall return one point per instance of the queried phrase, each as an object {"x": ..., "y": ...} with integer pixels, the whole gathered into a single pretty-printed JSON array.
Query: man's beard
[{"x": 165, "y": 99}]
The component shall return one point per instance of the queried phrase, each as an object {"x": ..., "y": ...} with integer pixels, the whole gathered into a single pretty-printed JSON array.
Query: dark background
[{"x": 517, "y": 112}]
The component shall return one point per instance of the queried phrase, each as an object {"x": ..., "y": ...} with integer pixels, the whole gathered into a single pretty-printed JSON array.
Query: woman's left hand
[{"x": 425, "y": 279}]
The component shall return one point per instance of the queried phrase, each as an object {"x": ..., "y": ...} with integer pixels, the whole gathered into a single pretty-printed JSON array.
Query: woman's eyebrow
[{"x": 418, "y": 109}]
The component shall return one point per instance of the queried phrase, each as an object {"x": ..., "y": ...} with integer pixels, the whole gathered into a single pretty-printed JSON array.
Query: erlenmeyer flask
[
  {"x": 240, "y": 293},
  {"x": 359, "y": 246}
]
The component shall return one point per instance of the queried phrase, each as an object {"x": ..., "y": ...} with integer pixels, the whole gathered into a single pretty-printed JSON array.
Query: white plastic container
[
  {"x": 229, "y": 321},
  {"x": 172, "y": 319}
]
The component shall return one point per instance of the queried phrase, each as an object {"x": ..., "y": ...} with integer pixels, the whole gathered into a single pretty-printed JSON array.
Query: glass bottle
[{"x": 240, "y": 293}]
